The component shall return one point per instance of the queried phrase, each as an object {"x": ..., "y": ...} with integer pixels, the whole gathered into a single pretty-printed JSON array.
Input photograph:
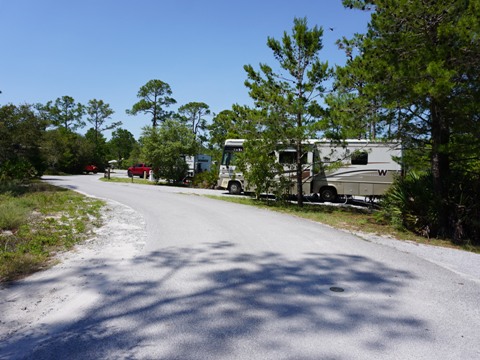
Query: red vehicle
[
  {"x": 90, "y": 168},
  {"x": 139, "y": 170}
]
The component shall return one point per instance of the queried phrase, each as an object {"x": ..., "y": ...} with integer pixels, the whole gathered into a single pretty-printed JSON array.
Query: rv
[
  {"x": 330, "y": 170},
  {"x": 197, "y": 164}
]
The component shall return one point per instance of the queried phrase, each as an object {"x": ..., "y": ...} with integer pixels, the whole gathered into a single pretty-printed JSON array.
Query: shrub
[
  {"x": 412, "y": 204},
  {"x": 409, "y": 204},
  {"x": 12, "y": 215},
  {"x": 206, "y": 179},
  {"x": 21, "y": 170}
]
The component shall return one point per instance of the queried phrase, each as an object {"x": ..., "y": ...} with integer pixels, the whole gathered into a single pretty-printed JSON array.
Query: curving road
[{"x": 216, "y": 280}]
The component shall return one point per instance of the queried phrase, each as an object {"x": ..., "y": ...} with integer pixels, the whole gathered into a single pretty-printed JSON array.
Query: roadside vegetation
[
  {"x": 132, "y": 180},
  {"x": 39, "y": 220}
]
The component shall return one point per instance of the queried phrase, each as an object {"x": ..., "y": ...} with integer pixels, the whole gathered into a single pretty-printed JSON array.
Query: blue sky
[{"x": 108, "y": 49}]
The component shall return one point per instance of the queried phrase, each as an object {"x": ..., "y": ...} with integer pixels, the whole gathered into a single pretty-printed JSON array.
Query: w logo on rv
[{"x": 382, "y": 172}]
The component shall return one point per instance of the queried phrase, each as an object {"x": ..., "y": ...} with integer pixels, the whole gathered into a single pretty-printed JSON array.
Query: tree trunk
[
  {"x": 440, "y": 163},
  {"x": 154, "y": 120},
  {"x": 299, "y": 174}
]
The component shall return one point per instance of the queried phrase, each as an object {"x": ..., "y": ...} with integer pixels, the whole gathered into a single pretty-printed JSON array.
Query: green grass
[
  {"x": 39, "y": 220},
  {"x": 136, "y": 180},
  {"x": 345, "y": 218},
  {"x": 133, "y": 180}
]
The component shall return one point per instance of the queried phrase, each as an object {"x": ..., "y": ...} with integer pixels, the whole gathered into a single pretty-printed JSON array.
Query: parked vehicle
[
  {"x": 354, "y": 168},
  {"x": 141, "y": 170},
  {"x": 197, "y": 164},
  {"x": 90, "y": 169}
]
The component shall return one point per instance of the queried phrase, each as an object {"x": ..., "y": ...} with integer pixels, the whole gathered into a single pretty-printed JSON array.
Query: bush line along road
[{"x": 178, "y": 276}]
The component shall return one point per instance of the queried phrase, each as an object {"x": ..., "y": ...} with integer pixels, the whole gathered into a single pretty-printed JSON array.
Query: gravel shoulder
[{"x": 30, "y": 305}]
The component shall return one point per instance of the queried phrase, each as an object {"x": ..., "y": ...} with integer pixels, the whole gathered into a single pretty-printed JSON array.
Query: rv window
[
  {"x": 290, "y": 157},
  {"x": 359, "y": 158}
]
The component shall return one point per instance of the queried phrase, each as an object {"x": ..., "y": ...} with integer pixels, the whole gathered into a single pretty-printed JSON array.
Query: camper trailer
[
  {"x": 198, "y": 164},
  {"x": 351, "y": 168}
]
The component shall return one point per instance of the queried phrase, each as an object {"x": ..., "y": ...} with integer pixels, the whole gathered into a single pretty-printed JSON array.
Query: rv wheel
[
  {"x": 235, "y": 188},
  {"x": 328, "y": 194}
]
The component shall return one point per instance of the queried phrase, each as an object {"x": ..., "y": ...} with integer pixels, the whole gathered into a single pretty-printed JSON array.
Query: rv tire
[
  {"x": 235, "y": 188},
  {"x": 328, "y": 194}
]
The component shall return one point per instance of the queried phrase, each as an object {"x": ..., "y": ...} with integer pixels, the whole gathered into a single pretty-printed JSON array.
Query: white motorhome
[
  {"x": 352, "y": 168},
  {"x": 198, "y": 164}
]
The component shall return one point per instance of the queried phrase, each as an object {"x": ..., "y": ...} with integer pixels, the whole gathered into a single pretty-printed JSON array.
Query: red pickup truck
[
  {"x": 90, "y": 168},
  {"x": 139, "y": 170}
]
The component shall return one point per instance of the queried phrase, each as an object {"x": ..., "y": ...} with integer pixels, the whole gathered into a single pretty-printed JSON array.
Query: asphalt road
[{"x": 216, "y": 280}]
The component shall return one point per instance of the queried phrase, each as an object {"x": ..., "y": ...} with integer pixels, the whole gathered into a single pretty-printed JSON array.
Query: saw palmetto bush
[
  {"x": 412, "y": 204},
  {"x": 465, "y": 209},
  {"x": 409, "y": 204}
]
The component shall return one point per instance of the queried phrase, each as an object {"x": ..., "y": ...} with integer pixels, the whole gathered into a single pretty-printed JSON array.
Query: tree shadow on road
[{"x": 213, "y": 302}]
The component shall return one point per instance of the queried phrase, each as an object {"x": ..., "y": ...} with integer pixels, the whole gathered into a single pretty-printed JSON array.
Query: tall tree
[
  {"x": 99, "y": 145},
  {"x": 193, "y": 114},
  {"x": 420, "y": 61},
  {"x": 65, "y": 112},
  {"x": 98, "y": 113},
  {"x": 154, "y": 97},
  {"x": 290, "y": 99},
  {"x": 121, "y": 144},
  {"x": 228, "y": 124}
]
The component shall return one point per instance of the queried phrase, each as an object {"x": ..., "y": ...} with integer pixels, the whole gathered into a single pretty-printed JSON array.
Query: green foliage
[
  {"x": 66, "y": 151},
  {"x": 12, "y": 214},
  {"x": 164, "y": 147},
  {"x": 135, "y": 156},
  {"x": 65, "y": 112},
  {"x": 260, "y": 168},
  {"x": 193, "y": 115},
  {"x": 18, "y": 170},
  {"x": 409, "y": 205},
  {"x": 21, "y": 132},
  {"x": 98, "y": 144},
  {"x": 228, "y": 124},
  {"x": 154, "y": 96},
  {"x": 121, "y": 145},
  {"x": 98, "y": 113},
  {"x": 206, "y": 179}
]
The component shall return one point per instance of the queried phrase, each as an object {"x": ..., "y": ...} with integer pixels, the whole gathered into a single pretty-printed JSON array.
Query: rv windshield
[{"x": 229, "y": 155}]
